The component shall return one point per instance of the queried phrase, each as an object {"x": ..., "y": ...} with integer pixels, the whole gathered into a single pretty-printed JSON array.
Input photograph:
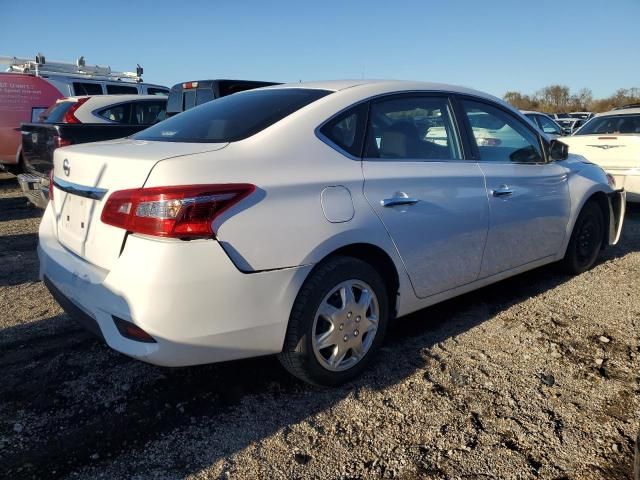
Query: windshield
[
  {"x": 617, "y": 124},
  {"x": 55, "y": 113},
  {"x": 232, "y": 118}
]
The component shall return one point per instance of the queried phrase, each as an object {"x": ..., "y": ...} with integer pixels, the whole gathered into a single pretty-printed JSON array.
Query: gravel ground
[{"x": 534, "y": 377}]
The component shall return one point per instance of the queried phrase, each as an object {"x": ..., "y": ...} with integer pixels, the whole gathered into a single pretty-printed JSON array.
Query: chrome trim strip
[{"x": 74, "y": 189}]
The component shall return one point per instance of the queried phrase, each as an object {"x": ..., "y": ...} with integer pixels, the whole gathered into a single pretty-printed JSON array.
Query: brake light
[
  {"x": 189, "y": 85},
  {"x": 186, "y": 211},
  {"x": 51, "y": 185},
  {"x": 58, "y": 141},
  {"x": 69, "y": 115}
]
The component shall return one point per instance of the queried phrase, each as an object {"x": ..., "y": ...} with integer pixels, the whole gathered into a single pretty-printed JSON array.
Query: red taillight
[
  {"x": 58, "y": 141},
  {"x": 69, "y": 116},
  {"x": 51, "y": 185},
  {"x": 178, "y": 212},
  {"x": 132, "y": 331},
  {"x": 189, "y": 85}
]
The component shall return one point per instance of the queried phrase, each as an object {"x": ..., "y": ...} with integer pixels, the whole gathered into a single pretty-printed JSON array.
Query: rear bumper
[
  {"x": 187, "y": 295},
  {"x": 617, "y": 208},
  {"x": 35, "y": 188}
]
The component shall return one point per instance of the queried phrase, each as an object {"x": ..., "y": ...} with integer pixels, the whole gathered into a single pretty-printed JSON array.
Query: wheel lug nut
[
  {"x": 349, "y": 315},
  {"x": 358, "y": 318},
  {"x": 355, "y": 333},
  {"x": 345, "y": 338},
  {"x": 341, "y": 326}
]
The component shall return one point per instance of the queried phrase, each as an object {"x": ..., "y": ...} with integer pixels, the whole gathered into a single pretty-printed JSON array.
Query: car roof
[
  {"x": 625, "y": 111},
  {"x": 385, "y": 86},
  {"x": 525, "y": 112},
  {"x": 117, "y": 98}
]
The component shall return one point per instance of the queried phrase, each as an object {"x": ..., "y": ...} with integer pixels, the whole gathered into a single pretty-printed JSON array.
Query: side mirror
[
  {"x": 566, "y": 131},
  {"x": 558, "y": 150}
]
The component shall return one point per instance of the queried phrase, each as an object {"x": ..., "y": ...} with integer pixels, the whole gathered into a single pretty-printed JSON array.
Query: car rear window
[
  {"x": 55, "y": 113},
  {"x": 232, "y": 118},
  {"x": 611, "y": 124}
]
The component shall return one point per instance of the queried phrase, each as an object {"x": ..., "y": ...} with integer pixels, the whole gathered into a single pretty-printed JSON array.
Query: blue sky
[{"x": 493, "y": 46}]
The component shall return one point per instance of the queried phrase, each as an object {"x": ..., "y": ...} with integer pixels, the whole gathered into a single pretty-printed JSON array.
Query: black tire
[
  {"x": 297, "y": 355},
  {"x": 586, "y": 240}
]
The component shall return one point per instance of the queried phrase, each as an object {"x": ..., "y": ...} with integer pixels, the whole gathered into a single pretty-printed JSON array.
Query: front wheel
[
  {"x": 338, "y": 321},
  {"x": 586, "y": 239}
]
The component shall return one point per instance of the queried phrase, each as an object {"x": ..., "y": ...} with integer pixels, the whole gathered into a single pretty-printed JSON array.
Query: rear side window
[
  {"x": 347, "y": 129},
  {"x": 232, "y": 118},
  {"x": 148, "y": 113},
  {"x": 82, "y": 88},
  {"x": 121, "y": 89},
  {"x": 55, "y": 113},
  {"x": 412, "y": 128},
  {"x": 117, "y": 113}
]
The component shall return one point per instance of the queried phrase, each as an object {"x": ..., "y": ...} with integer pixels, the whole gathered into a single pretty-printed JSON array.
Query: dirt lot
[{"x": 535, "y": 377}]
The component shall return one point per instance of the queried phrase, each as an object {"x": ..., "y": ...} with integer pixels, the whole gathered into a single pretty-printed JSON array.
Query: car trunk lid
[{"x": 85, "y": 175}]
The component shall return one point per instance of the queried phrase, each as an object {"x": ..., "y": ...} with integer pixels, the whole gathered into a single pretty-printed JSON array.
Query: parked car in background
[
  {"x": 631, "y": 105},
  {"x": 300, "y": 219},
  {"x": 186, "y": 95},
  {"x": 570, "y": 125},
  {"x": 612, "y": 140},
  {"x": 544, "y": 123},
  {"x": 75, "y": 120},
  {"x": 558, "y": 116},
  {"x": 582, "y": 115},
  {"x": 30, "y": 86}
]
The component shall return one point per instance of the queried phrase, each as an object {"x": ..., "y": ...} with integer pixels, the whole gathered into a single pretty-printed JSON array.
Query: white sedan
[
  {"x": 124, "y": 109},
  {"x": 612, "y": 140},
  {"x": 301, "y": 219}
]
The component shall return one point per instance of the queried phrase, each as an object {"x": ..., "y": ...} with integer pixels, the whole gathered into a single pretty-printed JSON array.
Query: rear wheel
[
  {"x": 338, "y": 321},
  {"x": 586, "y": 239}
]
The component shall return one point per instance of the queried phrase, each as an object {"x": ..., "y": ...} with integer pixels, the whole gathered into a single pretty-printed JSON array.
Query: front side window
[
  {"x": 347, "y": 129},
  {"x": 232, "y": 118},
  {"x": 501, "y": 137},
  {"x": 411, "y": 128},
  {"x": 81, "y": 88},
  {"x": 611, "y": 124},
  {"x": 117, "y": 113},
  {"x": 121, "y": 89}
]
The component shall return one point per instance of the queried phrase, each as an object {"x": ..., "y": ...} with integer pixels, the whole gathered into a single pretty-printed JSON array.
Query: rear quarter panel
[{"x": 282, "y": 224}]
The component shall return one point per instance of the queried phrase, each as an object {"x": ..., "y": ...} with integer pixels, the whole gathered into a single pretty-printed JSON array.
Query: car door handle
[
  {"x": 502, "y": 191},
  {"x": 399, "y": 198}
]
